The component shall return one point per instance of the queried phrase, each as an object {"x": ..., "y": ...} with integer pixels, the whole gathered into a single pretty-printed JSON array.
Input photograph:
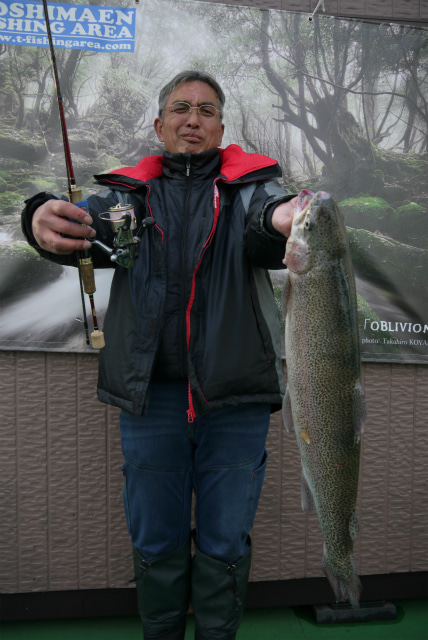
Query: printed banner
[
  {"x": 72, "y": 26},
  {"x": 357, "y": 130}
]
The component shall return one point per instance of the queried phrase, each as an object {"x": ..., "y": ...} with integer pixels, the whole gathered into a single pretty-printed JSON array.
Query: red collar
[{"x": 235, "y": 163}]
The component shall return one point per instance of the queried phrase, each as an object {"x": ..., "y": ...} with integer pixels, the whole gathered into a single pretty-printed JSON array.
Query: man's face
[{"x": 191, "y": 132}]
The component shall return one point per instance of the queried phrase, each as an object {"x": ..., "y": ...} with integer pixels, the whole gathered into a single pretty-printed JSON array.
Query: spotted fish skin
[{"x": 324, "y": 401}]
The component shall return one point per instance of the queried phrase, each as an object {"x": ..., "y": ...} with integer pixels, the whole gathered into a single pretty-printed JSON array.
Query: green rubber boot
[
  {"x": 163, "y": 592},
  {"x": 218, "y": 595}
]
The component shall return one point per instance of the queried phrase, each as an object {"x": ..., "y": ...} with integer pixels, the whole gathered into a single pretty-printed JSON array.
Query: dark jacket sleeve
[{"x": 264, "y": 246}]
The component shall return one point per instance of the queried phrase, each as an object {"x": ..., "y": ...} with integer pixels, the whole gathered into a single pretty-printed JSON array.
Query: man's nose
[{"x": 193, "y": 118}]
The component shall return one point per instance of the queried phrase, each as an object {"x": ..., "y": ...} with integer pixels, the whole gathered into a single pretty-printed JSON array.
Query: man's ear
[
  {"x": 220, "y": 134},
  {"x": 158, "y": 125}
]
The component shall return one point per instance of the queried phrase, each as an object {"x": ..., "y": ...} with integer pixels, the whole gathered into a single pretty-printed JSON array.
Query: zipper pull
[
  {"x": 191, "y": 415},
  {"x": 187, "y": 168}
]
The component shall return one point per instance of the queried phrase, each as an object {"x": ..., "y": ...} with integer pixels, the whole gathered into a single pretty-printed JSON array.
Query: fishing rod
[
  {"x": 85, "y": 264},
  {"x": 320, "y": 4}
]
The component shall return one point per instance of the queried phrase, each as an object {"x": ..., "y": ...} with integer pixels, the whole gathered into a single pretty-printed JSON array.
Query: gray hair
[{"x": 191, "y": 76}]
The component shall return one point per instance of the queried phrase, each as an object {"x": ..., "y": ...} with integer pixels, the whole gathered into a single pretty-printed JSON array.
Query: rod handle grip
[
  {"x": 97, "y": 339},
  {"x": 88, "y": 277}
]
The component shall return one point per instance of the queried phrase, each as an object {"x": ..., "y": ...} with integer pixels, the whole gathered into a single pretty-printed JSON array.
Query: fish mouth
[
  {"x": 304, "y": 200},
  {"x": 299, "y": 218}
]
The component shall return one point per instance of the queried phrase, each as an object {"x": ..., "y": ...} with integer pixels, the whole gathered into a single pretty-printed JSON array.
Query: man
[{"x": 192, "y": 352}]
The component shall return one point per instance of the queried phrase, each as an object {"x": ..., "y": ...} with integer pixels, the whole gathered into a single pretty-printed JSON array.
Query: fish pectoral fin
[
  {"x": 305, "y": 436},
  {"x": 308, "y": 502},
  {"x": 359, "y": 411},
  {"x": 287, "y": 416}
]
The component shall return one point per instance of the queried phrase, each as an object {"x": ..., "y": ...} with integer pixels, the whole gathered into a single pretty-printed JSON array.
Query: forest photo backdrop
[{"x": 341, "y": 104}]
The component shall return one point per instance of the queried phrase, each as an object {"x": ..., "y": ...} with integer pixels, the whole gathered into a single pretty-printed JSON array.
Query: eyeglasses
[{"x": 184, "y": 109}]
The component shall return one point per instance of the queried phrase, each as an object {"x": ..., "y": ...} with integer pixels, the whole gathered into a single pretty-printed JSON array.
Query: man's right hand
[{"x": 54, "y": 219}]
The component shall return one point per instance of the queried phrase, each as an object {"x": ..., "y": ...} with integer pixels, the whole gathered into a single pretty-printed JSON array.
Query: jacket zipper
[
  {"x": 191, "y": 414},
  {"x": 183, "y": 354}
]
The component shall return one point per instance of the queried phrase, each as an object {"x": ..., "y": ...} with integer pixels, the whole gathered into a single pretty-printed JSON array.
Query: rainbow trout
[{"x": 324, "y": 401}]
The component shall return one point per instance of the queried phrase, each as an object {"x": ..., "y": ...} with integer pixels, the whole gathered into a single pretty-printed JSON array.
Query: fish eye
[{"x": 309, "y": 223}]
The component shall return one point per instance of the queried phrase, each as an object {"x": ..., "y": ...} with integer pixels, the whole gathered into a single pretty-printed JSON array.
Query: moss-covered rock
[
  {"x": 411, "y": 224},
  {"x": 11, "y": 202},
  {"x": 37, "y": 183},
  {"x": 394, "y": 194},
  {"x": 14, "y": 145},
  {"x": 23, "y": 270},
  {"x": 411, "y": 209},
  {"x": 369, "y": 213},
  {"x": 11, "y": 164}
]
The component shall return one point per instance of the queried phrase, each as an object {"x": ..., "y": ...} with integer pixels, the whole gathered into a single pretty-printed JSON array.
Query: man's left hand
[{"x": 282, "y": 217}]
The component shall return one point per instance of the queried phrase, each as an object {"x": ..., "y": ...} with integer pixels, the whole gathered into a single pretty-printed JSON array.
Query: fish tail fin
[{"x": 344, "y": 580}]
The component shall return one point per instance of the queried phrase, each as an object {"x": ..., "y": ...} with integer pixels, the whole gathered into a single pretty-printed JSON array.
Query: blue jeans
[{"x": 220, "y": 456}]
